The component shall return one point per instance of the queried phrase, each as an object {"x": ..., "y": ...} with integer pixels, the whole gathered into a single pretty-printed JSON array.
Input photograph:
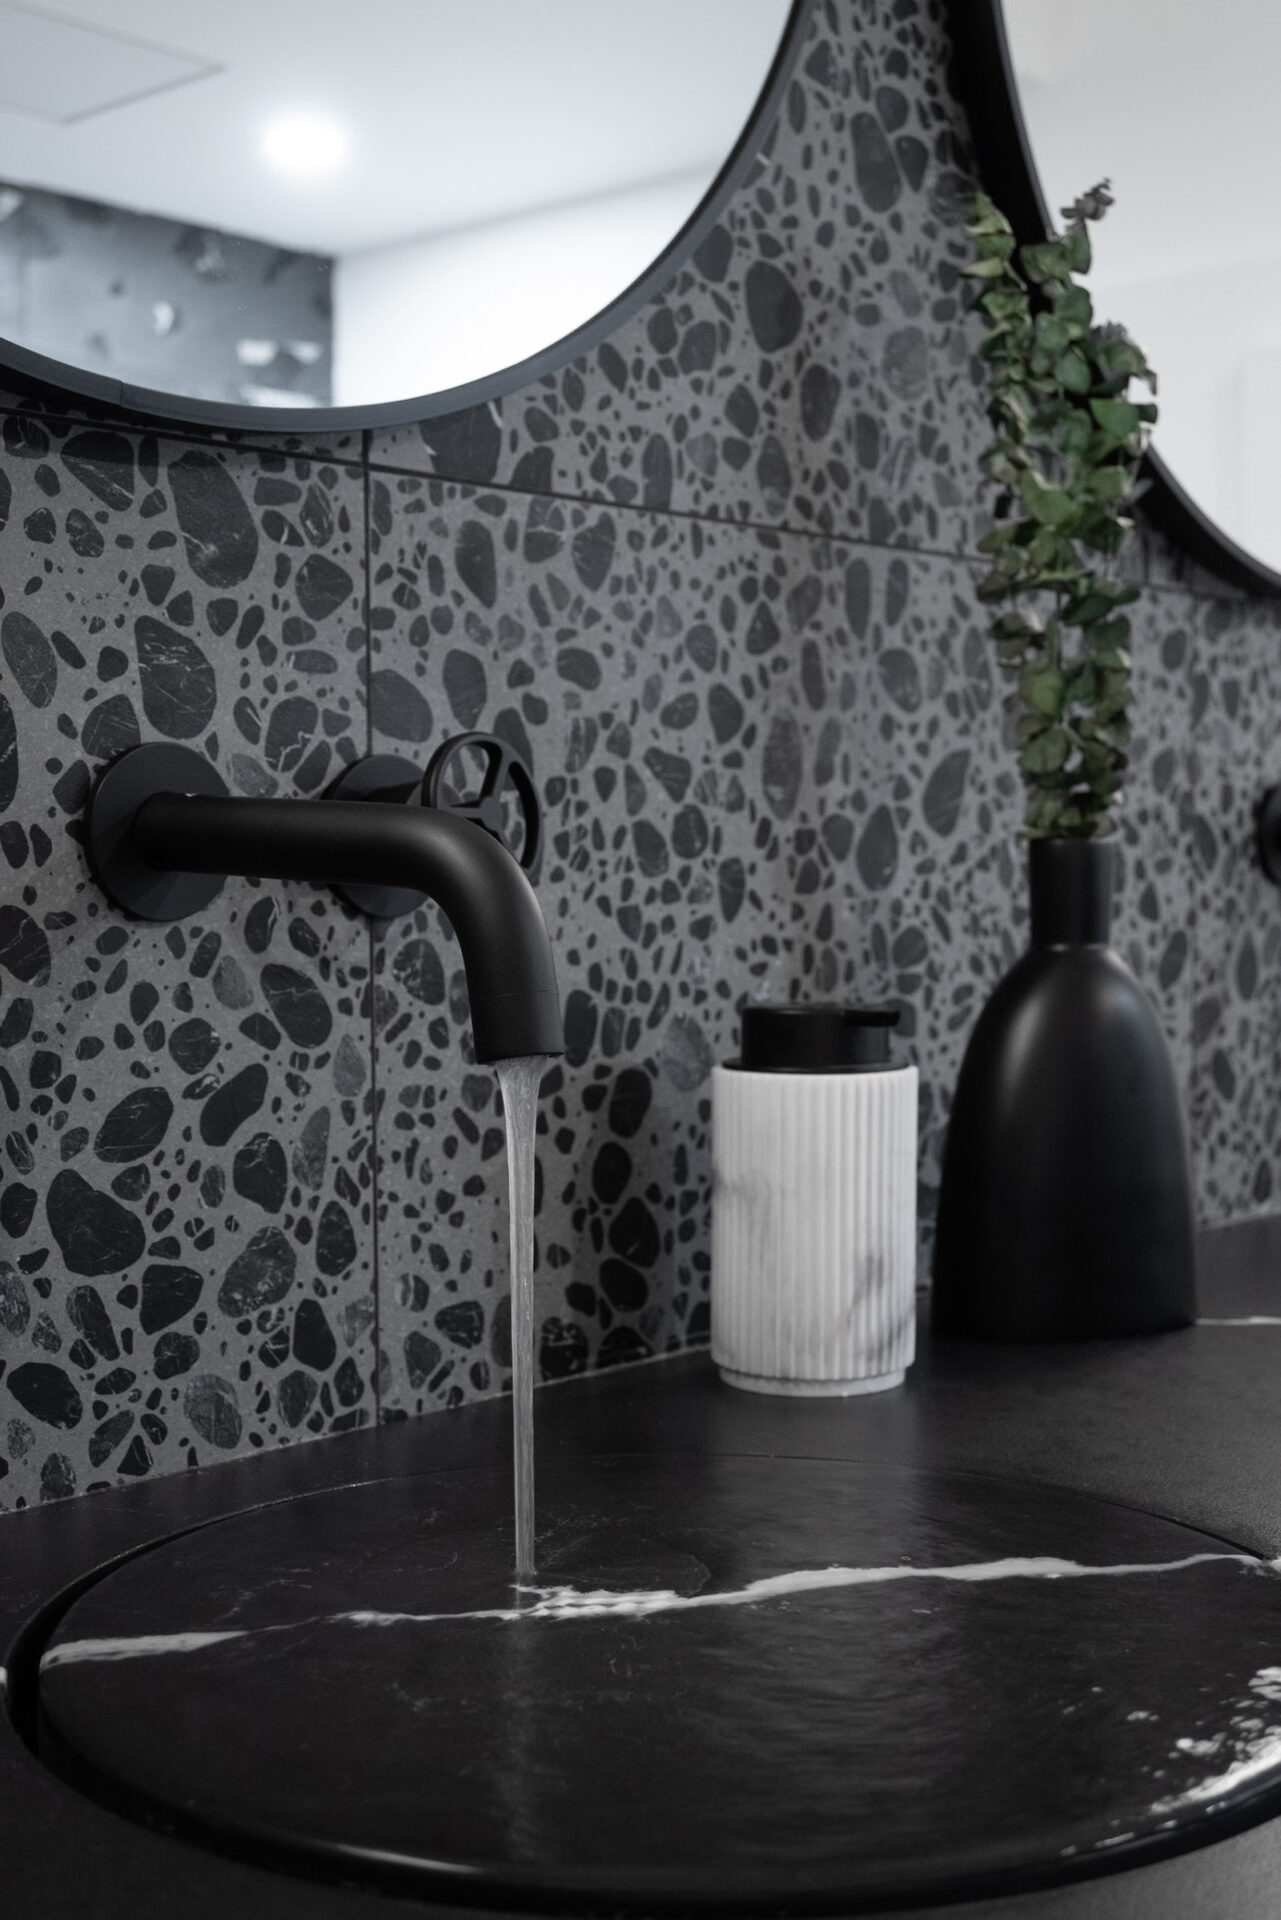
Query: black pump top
[{"x": 816, "y": 1039}]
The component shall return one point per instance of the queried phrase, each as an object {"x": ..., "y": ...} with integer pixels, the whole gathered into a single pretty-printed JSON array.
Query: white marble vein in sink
[{"x": 563, "y": 1603}]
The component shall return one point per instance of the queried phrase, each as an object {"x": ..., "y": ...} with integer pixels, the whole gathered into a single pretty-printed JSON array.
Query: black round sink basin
[{"x": 745, "y": 1683}]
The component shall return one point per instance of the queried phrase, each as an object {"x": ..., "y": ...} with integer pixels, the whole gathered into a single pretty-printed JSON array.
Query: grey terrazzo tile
[
  {"x": 1153, "y": 925},
  {"x": 748, "y": 748},
  {"x": 1237, "y": 1010},
  {"x": 933, "y": 894},
  {"x": 61, "y": 415},
  {"x": 813, "y": 367},
  {"x": 342, "y": 445},
  {"x": 186, "y": 1183},
  {"x": 664, "y": 679}
]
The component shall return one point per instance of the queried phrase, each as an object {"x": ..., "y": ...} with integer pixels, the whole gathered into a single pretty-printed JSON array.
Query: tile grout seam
[
  {"x": 783, "y": 530},
  {"x": 370, "y": 948},
  {"x": 363, "y": 458}
]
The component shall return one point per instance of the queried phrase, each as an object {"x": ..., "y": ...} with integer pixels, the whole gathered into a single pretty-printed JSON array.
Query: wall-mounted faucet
[{"x": 162, "y": 832}]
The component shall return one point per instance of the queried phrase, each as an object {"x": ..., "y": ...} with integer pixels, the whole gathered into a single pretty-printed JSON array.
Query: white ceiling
[
  {"x": 458, "y": 111},
  {"x": 60, "y": 70}
]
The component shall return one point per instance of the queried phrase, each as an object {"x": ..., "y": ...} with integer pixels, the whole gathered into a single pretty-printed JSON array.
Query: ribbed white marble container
[{"x": 814, "y": 1229}]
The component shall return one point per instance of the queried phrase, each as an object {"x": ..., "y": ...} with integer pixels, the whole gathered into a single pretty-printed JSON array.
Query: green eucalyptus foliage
[{"x": 1065, "y": 458}]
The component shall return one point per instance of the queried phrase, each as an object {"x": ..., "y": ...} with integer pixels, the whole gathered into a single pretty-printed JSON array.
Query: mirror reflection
[
  {"x": 314, "y": 203},
  {"x": 1171, "y": 102}
]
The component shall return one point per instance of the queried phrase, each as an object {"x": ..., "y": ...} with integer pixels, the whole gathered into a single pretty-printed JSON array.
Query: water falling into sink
[{"x": 520, "y": 1080}]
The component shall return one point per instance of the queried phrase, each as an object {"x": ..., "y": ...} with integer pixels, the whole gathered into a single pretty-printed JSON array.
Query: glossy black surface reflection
[{"x": 981, "y": 1714}]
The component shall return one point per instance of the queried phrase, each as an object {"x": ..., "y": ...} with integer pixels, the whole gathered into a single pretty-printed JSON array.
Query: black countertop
[{"x": 1186, "y": 1425}]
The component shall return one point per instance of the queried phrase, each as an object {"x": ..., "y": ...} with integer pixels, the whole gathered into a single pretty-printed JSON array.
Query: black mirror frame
[
  {"x": 983, "y": 75},
  {"x": 38, "y": 373}
]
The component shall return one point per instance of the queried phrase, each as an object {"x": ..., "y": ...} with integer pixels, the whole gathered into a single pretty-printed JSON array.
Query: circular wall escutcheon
[{"x": 122, "y": 872}]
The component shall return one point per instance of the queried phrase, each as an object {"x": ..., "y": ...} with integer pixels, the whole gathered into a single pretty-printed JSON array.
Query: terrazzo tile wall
[{"x": 717, "y": 579}]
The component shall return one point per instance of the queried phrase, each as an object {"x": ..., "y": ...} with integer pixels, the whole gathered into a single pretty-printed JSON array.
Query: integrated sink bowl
[{"x": 835, "y": 1687}]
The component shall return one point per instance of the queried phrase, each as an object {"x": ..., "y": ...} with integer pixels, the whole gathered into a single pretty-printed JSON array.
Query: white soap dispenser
[{"x": 814, "y": 1203}]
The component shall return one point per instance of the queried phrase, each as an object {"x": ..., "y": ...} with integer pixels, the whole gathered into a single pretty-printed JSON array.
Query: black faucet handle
[{"x": 484, "y": 797}]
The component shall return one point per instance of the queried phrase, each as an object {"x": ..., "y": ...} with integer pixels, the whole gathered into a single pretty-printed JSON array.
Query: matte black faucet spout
[{"x": 494, "y": 911}]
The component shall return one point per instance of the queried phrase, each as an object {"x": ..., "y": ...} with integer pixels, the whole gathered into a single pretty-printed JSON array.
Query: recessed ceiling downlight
[{"x": 305, "y": 146}]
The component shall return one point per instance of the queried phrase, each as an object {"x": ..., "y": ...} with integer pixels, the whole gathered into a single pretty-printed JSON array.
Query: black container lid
[{"x": 816, "y": 1039}]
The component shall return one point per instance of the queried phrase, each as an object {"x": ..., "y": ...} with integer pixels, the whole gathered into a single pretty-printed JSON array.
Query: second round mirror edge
[{"x": 983, "y": 76}]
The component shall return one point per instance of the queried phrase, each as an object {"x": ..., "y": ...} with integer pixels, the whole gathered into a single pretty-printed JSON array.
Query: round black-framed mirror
[
  {"x": 1004, "y": 132},
  {"x": 663, "y": 216}
]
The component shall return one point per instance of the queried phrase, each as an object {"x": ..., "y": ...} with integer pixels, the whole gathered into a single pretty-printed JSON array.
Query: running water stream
[{"x": 520, "y": 1080}]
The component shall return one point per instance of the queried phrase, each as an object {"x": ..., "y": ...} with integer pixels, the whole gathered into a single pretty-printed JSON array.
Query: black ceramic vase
[{"x": 1065, "y": 1210}]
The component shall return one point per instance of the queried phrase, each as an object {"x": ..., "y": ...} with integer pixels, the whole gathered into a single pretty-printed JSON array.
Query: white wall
[
  {"x": 429, "y": 314},
  {"x": 1215, "y": 341},
  {"x": 1175, "y": 102}
]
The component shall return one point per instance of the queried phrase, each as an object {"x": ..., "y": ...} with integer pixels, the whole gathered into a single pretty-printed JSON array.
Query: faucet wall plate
[
  {"x": 121, "y": 870},
  {"x": 380, "y": 776}
]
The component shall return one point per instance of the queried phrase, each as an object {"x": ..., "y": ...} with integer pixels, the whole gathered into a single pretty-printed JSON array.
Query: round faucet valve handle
[{"x": 446, "y": 784}]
